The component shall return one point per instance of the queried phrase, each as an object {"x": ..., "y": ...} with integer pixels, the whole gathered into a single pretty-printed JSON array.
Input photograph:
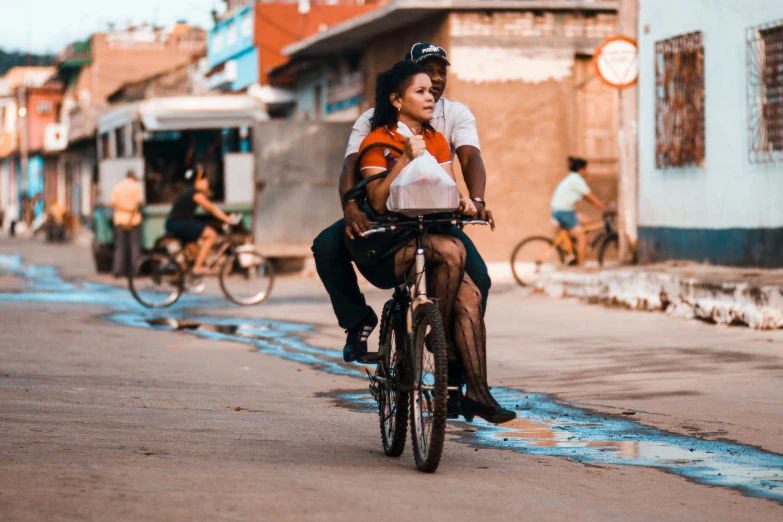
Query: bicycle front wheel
[
  {"x": 393, "y": 403},
  {"x": 430, "y": 387},
  {"x": 534, "y": 257},
  {"x": 156, "y": 280},
  {"x": 247, "y": 278}
]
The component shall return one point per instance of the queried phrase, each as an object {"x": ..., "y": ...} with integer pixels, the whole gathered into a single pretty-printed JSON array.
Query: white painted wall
[
  {"x": 471, "y": 64},
  {"x": 727, "y": 191},
  {"x": 238, "y": 177}
]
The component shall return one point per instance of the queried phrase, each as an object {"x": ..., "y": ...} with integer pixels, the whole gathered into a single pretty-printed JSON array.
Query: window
[
  {"x": 43, "y": 107},
  {"x": 237, "y": 140},
  {"x": 679, "y": 101},
  {"x": 231, "y": 34},
  {"x": 318, "y": 103},
  {"x": 246, "y": 25},
  {"x": 105, "y": 146},
  {"x": 134, "y": 139},
  {"x": 167, "y": 155},
  {"x": 765, "y": 92},
  {"x": 217, "y": 41},
  {"x": 119, "y": 140}
]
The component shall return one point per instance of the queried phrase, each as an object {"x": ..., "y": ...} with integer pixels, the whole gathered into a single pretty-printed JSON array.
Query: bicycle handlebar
[
  {"x": 226, "y": 226},
  {"x": 378, "y": 229}
]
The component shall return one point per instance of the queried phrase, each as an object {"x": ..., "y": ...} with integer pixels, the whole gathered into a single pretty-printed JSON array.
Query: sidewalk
[{"x": 723, "y": 295}]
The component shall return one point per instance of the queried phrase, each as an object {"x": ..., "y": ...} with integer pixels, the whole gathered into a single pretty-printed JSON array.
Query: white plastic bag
[{"x": 423, "y": 187}]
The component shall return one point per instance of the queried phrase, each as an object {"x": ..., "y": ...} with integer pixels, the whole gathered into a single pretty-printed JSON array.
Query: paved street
[{"x": 249, "y": 414}]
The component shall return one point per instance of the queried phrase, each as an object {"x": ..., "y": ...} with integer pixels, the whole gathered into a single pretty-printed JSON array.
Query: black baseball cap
[{"x": 423, "y": 50}]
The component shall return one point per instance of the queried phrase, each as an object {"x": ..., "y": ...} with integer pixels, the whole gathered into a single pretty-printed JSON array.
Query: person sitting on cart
[{"x": 183, "y": 224}]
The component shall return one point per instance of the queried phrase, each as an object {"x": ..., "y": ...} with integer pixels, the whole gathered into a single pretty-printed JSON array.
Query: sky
[{"x": 41, "y": 26}]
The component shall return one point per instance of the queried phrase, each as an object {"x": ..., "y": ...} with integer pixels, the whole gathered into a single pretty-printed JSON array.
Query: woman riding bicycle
[
  {"x": 183, "y": 224},
  {"x": 403, "y": 94}
]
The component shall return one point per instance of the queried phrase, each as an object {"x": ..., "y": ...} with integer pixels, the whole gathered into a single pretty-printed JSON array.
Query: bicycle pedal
[
  {"x": 374, "y": 390},
  {"x": 369, "y": 358}
]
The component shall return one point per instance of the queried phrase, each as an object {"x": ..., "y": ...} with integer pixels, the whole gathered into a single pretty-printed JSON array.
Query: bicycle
[
  {"x": 537, "y": 255},
  {"x": 159, "y": 277},
  {"x": 410, "y": 380}
]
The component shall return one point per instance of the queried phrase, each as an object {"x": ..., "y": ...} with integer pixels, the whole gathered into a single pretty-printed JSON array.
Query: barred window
[
  {"x": 679, "y": 101},
  {"x": 43, "y": 107},
  {"x": 765, "y": 92}
]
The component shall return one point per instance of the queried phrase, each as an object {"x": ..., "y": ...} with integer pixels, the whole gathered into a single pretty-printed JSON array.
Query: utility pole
[{"x": 628, "y": 141}]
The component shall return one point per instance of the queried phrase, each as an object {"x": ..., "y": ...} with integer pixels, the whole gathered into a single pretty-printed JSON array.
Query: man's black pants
[
  {"x": 127, "y": 248},
  {"x": 333, "y": 262}
]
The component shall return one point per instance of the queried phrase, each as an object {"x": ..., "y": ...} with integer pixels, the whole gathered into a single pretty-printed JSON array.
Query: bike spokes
[
  {"x": 533, "y": 258},
  {"x": 156, "y": 280},
  {"x": 429, "y": 393},
  {"x": 247, "y": 277},
  {"x": 388, "y": 388}
]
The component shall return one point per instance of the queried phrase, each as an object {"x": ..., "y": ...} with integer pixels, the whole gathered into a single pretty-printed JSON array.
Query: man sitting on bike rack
[
  {"x": 183, "y": 224},
  {"x": 404, "y": 94},
  {"x": 572, "y": 189},
  {"x": 333, "y": 261}
]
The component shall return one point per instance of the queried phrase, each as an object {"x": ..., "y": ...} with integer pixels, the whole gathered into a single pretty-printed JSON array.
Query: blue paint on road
[{"x": 544, "y": 425}]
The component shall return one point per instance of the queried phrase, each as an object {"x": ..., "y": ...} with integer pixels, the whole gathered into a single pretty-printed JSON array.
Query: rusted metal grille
[
  {"x": 679, "y": 103},
  {"x": 765, "y": 92}
]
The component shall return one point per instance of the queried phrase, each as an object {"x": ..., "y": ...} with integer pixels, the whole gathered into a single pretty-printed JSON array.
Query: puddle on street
[
  {"x": 44, "y": 284},
  {"x": 544, "y": 426},
  {"x": 547, "y": 427}
]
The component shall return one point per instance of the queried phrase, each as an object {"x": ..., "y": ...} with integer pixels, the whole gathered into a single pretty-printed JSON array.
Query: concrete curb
[{"x": 758, "y": 307}]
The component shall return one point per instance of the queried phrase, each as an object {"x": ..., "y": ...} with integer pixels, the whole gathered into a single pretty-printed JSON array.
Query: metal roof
[
  {"x": 187, "y": 112},
  {"x": 402, "y": 13}
]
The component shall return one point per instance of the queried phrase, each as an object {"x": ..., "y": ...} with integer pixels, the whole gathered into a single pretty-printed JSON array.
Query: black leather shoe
[
  {"x": 495, "y": 414},
  {"x": 356, "y": 340}
]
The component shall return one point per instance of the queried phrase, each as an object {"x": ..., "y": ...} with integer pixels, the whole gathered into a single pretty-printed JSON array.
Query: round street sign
[{"x": 615, "y": 62}]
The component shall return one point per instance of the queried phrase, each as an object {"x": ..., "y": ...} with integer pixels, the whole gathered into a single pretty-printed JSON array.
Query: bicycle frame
[
  {"x": 563, "y": 238},
  {"x": 222, "y": 248},
  {"x": 411, "y": 294}
]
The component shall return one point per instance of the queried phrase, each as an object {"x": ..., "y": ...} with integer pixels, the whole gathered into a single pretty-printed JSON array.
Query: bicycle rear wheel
[
  {"x": 430, "y": 387},
  {"x": 393, "y": 403},
  {"x": 533, "y": 257},
  {"x": 609, "y": 253},
  {"x": 246, "y": 278},
  {"x": 156, "y": 280}
]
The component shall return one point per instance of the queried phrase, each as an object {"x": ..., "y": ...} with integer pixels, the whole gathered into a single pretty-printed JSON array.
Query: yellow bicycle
[{"x": 538, "y": 255}]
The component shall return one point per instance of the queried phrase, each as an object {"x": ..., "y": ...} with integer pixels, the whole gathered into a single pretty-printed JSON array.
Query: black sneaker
[{"x": 356, "y": 340}]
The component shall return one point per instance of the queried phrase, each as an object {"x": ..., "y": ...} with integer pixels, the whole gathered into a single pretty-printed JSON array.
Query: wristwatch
[{"x": 479, "y": 200}]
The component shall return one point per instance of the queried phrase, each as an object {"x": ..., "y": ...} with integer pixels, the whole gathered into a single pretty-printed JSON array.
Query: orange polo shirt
[{"x": 434, "y": 141}]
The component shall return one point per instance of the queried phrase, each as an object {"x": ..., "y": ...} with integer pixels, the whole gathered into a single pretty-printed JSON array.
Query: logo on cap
[{"x": 423, "y": 50}]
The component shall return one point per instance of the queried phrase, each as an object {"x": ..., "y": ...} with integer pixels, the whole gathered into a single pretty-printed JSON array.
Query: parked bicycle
[
  {"x": 411, "y": 374},
  {"x": 538, "y": 255},
  {"x": 159, "y": 277}
]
